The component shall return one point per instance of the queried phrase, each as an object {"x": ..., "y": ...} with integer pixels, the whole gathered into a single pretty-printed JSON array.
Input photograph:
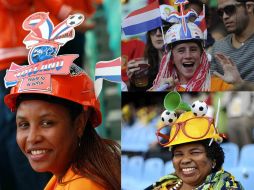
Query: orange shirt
[
  {"x": 72, "y": 181},
  {"x": 217, "y": 84}
]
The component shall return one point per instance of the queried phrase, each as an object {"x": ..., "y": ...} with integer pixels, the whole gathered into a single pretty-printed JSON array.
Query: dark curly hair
[{"x": 213, "y": 152}]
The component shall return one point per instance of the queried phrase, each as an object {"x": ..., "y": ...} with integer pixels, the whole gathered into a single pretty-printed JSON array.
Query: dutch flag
[
  {"x": 142, "y": 20},
  {"x": 108, "y": 70}
]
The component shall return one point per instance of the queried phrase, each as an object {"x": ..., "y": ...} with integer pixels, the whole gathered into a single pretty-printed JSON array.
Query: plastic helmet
[
  {"x": 197, "y": 128},
  {"x": 176, "y": 33},
  {"x": 76, "y": 87},
  {"x": 50, "y": 74}
]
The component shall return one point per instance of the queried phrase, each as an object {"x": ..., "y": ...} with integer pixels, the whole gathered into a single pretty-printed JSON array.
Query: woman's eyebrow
[{"x": 193, "y": 149}]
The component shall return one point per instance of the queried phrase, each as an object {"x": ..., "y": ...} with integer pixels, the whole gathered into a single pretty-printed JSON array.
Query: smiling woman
[
  {"x": 196, "y": 154},
  {"x": 55, "y": 131}
]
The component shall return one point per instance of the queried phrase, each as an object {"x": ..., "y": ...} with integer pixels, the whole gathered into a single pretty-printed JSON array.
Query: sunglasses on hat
[{"x": 229, "y": 9}]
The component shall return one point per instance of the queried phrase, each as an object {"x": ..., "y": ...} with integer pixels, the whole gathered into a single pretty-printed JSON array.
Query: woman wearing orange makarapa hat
[
  {"x": 57, "y": 111},
  {"x": 196, "y": 154}
]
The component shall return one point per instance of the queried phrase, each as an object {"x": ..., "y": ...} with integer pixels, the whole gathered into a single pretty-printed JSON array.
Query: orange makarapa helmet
[
  {"x": 78, "y": 88},
  {"x": 48, "y": 73}
]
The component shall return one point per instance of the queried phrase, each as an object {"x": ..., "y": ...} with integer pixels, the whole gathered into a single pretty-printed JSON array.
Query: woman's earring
[
  {"x": 213, "y": 166},
  {"x": 79, "y": 140}
]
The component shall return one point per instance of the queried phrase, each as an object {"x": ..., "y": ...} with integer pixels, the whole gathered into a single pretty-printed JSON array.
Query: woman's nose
[
  {"x": 33, "y": 135},
  {"x": 185, "y": 160}
]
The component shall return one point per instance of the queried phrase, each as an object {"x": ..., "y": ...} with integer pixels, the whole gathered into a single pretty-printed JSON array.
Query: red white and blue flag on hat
[
  {"x": 201, "y": 23},
  {"x": 142, "y": 20},
  {"x": 108, "y": 70}
]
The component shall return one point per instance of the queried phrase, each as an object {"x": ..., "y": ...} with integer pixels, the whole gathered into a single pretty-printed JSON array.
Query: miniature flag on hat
[
  {"x": 108, "y": 70},
  {"x": 142, "y": 20},
  {"x": 201, "y": 23}
]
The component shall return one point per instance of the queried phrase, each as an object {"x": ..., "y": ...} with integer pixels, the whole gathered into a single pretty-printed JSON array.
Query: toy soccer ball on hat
[
  {"x": 199, "y": 108},
  {"x": 188, "y": 127},
  {"x": 168, "y": 117},
  {"x": 172, "y": 104}
]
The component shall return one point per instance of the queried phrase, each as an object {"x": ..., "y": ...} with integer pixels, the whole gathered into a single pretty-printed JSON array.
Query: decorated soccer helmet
[
  {"x": 51, "y": 75},
  {"x": 188, "y": 127},
  {"x": 176, "y": 33}
]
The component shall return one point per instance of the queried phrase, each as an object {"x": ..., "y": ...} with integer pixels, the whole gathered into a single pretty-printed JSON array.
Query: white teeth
[
  {"x": 188, "y": 169},
  {"x": 36, "y": 152}
]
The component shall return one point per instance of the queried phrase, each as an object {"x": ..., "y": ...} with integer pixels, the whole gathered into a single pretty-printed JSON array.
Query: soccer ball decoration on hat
[
  {"x": 191, "y": 125},
  {"x": 199, "y": 108},
  {"x": 75, "y": 19},
  {"x": 168, "y": 117}
]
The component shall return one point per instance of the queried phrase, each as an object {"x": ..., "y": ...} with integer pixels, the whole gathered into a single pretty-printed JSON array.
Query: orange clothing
[
  {"x": 217, "y": 84},
  {"x": 12, "y": 15},
  {"x": 72, "y": 181},
  {"x": 14, "y": 12},
  {"x": 86, "y": 6}
]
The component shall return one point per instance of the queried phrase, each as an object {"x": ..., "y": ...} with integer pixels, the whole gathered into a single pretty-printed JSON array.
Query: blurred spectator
[
  {"x": 153, "y": 53},
  {"x": 238, "y": 18},
  {"x": 128, "y": 115},
  {"x": 240, "y": 111},
  {"x": 150, "y": 57}
]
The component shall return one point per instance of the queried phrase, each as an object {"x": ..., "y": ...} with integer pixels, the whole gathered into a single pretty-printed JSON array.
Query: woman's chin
[{"x": 39, "y": 167}]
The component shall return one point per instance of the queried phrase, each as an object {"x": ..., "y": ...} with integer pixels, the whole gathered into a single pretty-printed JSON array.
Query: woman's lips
[
  {"x": 188, "y": 172},
  {"x": 38, "y": 154}
]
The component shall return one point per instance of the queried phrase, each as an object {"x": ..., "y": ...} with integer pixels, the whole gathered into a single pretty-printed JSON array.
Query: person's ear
[
  {"x": 249, "y": 7},
  {"x": 80, "y": 123},
  {"x": 213, "y": 164}
]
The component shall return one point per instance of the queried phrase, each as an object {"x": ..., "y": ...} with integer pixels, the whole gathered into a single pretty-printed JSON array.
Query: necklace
[
  {"x": 243, "y": 41},
  {"x": 199, "y": 186},
  {"x": 240, "y": 42},
  {"x": 177, "y": 185}
]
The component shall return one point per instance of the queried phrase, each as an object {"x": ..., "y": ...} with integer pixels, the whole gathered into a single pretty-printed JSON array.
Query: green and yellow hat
[{"x": 191, "y": 125}]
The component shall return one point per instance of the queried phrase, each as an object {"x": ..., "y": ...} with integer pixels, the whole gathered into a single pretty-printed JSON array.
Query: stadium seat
[
  {"x": 247, "y": 156},
  {"x": 153, "y": 170},
  {"x": 134, "y": 173},
  {"x": 231, "y": 151},
  {"x": 124, "y": 165},
  {"x": 245, "y": 176}
]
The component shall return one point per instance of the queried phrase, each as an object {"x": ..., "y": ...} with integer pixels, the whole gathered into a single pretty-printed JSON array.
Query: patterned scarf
[
  {"x": 200, "y": 80},
  {"x": 220, "y": 180}
]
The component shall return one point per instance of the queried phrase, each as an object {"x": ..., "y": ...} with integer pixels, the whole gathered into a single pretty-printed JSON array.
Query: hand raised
[{"x": 231, "y": 73}]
